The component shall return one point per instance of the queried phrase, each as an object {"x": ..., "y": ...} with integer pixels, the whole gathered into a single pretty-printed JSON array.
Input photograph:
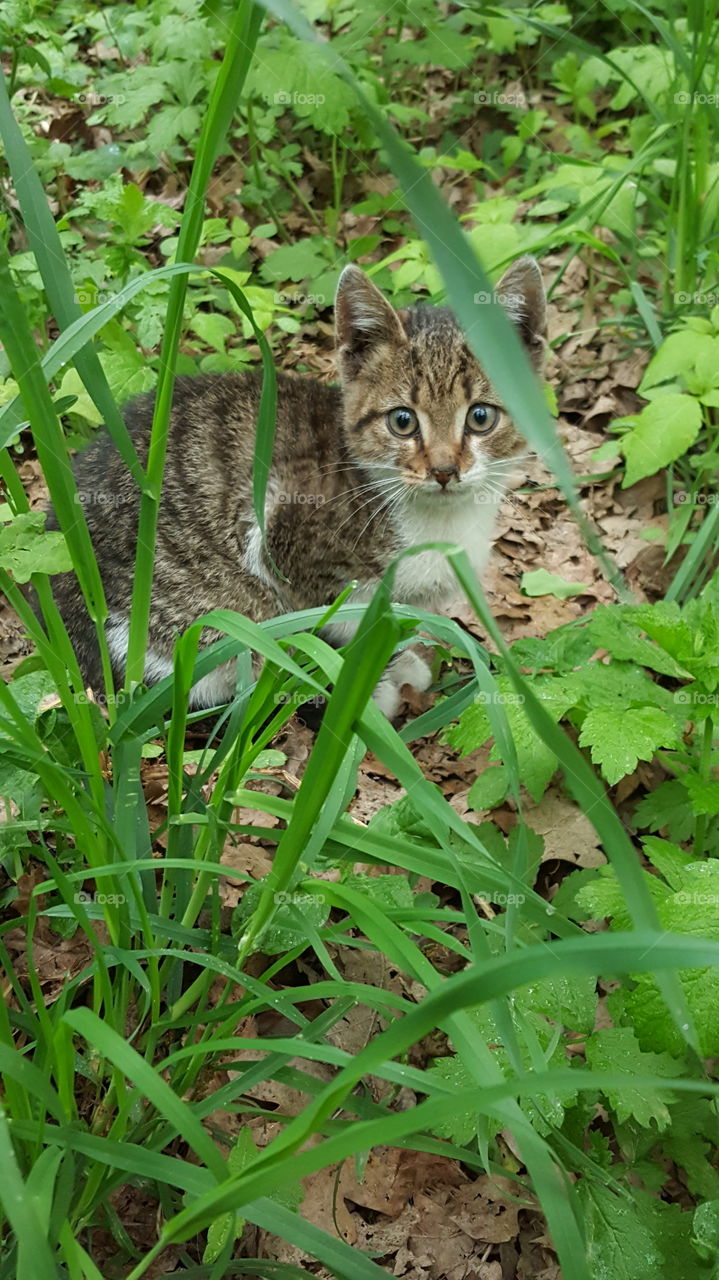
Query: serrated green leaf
[
  {"x": 172, "y": 125},
  {"x": 602, "y": 897},
  {"x": 667, "y": 807},
  {"x": 616, "y": 1050},
  {"x": 213, "y": 328},
  {"x": 703, "y": 793},
  {"x": 622, "y": 684},
  {"x": 489, "y": 789},
  {"x": 668, "y": 858},
  {"x": 619, "y": 739},
  {"x": 288, "y": 927},
  {"x": 636, "y": 1237},
  {"x": 611, "y": 627},
  {"x": 441, "y": 46},
  {"x": 694, "y": 1156},
  {"x": 537, "y": 763},
  {"x": 570, "y": 1001},
  {"x": 676, "y": 355},
  {"x": 299, "y": 261},
  {"x": 543, "y": 1111},
  {"x": 692, "y": 910},
  {"x": 386, "y": 891},
  {"x": 294, "y": 76}
]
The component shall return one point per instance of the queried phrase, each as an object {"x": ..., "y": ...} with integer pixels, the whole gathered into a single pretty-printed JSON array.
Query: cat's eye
[
  {"x": 482, "y": 418},
  {"x": 402, "y": 421}
]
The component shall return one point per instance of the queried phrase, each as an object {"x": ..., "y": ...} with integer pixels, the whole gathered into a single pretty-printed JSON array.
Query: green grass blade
[
  {"x": 242, "y": 32},
  {"x": 45, "y": 244},
  {"x": 35, "y": 1261},
  {"x": 150, "y": 1083}
]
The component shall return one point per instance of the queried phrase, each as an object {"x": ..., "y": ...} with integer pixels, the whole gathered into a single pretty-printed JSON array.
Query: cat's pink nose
[{"x": 443, "y": 475}]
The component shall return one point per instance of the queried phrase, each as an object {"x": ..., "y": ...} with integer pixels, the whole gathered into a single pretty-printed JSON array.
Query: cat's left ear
[
  {"x": 363, "y": 318},
  {"x": 521, "y": 292}
]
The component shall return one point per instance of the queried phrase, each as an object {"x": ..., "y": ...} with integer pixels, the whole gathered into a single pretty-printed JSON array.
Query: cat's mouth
[{"x": 452, "y": 490}]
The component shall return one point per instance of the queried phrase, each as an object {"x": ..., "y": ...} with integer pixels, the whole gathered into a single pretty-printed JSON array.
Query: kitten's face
[{"x": 418, "y": 406}]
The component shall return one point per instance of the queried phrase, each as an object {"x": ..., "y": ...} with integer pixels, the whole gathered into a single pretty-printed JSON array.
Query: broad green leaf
[
  {"x": 30, "y": 690},
  {"x": 667, "y": 807},
  {"x": 612, "y": 627},
  {"x": 544, "y": 1111},
  {"x": 542, "y": 583},
  {"x": 570, "y": 1001},
  {"x": 25, "y": 547},
  {"x": 676, "y": 355},
  {"x": 537, "y": 762},
  {"x": 637, "y": 1237},
  {"x": 299, "y": 261},
  {"x": 241, "y": 1155},
  {"x": 386, "y": 891},
  {"x": 706, "y": 1230},
  {"x": 602, "y": 897},
  {"x": 663, "y": 431},
  {"x": 619, "y": 739},
  {"x": 703, "y": 793},
  {"x": 294, "y": 912},
  {"x": 489, "y": 788},
  {"x": 693, "y": 910},
  {"x": 295, "y": 76},
  {"x": 668, "y": 858},
  {"x": 213, "y": 328},
  {"x": 616, "y": 1049}
]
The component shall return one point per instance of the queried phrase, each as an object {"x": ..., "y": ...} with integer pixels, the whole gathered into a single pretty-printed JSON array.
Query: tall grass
[{"x": 103, "y": 1085}]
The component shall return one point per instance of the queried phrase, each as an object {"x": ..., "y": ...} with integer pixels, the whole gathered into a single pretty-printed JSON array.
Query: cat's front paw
[
  {"x": 387, "y": 697},
  {"x": 407, "y": 668}
]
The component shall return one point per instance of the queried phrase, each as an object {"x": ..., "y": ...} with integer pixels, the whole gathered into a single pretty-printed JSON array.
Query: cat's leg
[
  {"x": 249, "y": 597},
  {"x": 408, "y": 667}
]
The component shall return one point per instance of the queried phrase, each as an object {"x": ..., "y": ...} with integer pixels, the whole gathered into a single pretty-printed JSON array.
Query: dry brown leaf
[{"x": 568, "y": 834}]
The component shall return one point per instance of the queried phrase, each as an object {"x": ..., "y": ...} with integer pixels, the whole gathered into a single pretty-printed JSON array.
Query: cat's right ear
[{"x": 363, "y": 319}]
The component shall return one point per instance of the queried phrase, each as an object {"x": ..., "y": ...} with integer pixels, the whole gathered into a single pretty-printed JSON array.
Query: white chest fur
[{"x": 427, "y": 579}]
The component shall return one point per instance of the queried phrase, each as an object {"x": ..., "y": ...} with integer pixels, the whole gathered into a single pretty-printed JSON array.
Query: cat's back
[{"x": 211, "y": 441}]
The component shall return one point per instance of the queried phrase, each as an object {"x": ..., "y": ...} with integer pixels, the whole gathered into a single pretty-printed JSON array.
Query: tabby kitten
[{"x": 413, "y": 446}]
